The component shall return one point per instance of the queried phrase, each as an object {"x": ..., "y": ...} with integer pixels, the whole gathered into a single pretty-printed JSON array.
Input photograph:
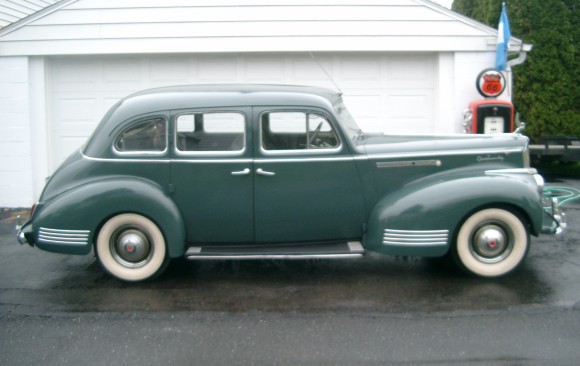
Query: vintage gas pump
[{"x": 489, "y": 115}]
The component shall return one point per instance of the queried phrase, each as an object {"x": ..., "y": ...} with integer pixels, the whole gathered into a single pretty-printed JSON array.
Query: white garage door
[{"x": 385, "y": 92}]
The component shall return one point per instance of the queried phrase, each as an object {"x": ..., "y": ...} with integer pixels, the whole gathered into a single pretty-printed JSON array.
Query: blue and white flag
[{"x": 503, "y": 40}]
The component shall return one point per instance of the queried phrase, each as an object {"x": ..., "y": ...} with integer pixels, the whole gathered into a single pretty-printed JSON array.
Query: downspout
[
  {"x": 521, "y": 57},
  {"x": 523, "y": 54}
]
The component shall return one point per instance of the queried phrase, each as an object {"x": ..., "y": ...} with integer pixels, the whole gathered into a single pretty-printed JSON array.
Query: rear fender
[
  {"x": 421, "y": 218},
  {"x": 80, "y": 212}
]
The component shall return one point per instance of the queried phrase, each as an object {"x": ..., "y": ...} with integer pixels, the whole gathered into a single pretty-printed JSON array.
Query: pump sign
[{"x": 490, "y": 83}]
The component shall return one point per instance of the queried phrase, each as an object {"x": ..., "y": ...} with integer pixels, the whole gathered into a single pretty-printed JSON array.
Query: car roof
[
  {"x": 190, "y": 97},
  {"x": 222, "y": 95}
]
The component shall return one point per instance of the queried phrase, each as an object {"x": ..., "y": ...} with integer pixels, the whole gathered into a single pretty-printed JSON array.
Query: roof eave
[{"x": 34, "y": 16}]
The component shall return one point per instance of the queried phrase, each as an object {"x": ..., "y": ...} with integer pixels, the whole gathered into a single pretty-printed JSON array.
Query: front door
[{"x": 306, "y": 186}]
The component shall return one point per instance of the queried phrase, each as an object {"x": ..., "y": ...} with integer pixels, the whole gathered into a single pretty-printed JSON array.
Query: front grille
[{"x": 67, "y": 237}]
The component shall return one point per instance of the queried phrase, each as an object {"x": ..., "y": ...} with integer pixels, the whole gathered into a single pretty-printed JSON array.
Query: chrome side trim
[
  {"x": 140, "y": 152},
  {"x": 217, "y": 160},
  {"x": 410, "y": 163},
  {"x": 527, "y": 171},
  {"x": 293, "y": 152},
  {"x": 134, "y": 160},
  {"x": 416, "y": 237},
  {"x": 210, "y": 153},
  {"x": 68, "y": 237},
  {"x": 307, "y": 160},
  {"x": 443, "y": 153},
  {"x": 211, "y": 161}
]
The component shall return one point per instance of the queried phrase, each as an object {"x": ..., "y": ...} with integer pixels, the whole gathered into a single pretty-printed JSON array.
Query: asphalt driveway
[{"x": 57, "y": 309}]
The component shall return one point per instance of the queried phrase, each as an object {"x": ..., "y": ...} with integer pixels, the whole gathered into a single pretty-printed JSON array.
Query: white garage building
[{"x": 404, "y": 66}]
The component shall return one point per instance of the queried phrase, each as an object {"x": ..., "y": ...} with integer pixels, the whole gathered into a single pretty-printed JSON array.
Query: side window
[
  {"x": 223, "y": 131},
  {"x": 297, "y": 131},
  {"x": 148, "y": 136}
]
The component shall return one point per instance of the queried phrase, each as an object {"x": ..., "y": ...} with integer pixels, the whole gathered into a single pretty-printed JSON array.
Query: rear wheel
[
  {"x": 492, "y": 243},
  {"x": 131, "y": 247}
]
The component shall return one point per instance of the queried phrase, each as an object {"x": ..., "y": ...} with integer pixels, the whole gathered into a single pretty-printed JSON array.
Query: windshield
[{"x": 349, "y": 126}]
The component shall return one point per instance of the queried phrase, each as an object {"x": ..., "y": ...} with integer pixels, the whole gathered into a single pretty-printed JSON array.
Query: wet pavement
[{"x": 375, "y": 310}]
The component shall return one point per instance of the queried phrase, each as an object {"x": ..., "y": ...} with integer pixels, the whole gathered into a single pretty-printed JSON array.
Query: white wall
[
  {"x": 16, "y": 189},
  {"x": 467, "y": 66}
]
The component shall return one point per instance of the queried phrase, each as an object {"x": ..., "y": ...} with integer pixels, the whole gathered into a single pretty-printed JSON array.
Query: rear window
[
  {"x": 149, "y": 135},
  {"x": 220, "y": 131}
]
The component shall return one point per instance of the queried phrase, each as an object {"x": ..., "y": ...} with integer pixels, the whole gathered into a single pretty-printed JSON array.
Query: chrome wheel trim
[
  {"x": 491, "y": 242},
  {"x": 131, "y": 246}
]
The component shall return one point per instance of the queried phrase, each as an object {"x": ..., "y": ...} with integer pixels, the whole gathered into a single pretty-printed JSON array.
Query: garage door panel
[
  {"x": 167, "y": 70},
  {"x": 408, "y": 106},
  {"x": 356, "y": 71},
  {"x": 68, "y": 144},
  {"x": 216, "y": 69},
  {"x": 410, "y": 113},
  {"x": 125, "y": 73},
  {"x": 367, "y": 109},
  {"x": 264, "y": 69},
  {"x": 75, "y": 74},
  {"x": 410, "y": 72},
  {"x": 306, "y": 70}
]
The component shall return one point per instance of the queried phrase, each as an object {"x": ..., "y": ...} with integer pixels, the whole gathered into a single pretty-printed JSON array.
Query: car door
[
  {"x": 212, "y": 174},
  {"x": 306, "y": 185}
]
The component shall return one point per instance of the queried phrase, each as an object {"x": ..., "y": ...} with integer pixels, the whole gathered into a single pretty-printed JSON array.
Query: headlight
[
  {"x": 540, "y": 182},
  {"x": 467, "y": 121},
  {"x": 527, "y": 156}
]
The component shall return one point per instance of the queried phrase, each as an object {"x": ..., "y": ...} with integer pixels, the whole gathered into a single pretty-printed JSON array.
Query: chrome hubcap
[
  {"x": 131, "y": 247},
  {"x": 491, "y": 243}
]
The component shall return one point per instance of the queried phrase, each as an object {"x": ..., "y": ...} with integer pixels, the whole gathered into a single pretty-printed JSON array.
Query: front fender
[
  {"x": 70, "y": 222},
  {"x": 421, "y": 218}
]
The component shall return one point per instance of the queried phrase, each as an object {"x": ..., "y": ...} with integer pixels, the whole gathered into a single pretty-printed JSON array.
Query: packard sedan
[{"x": 260, "y": 171}]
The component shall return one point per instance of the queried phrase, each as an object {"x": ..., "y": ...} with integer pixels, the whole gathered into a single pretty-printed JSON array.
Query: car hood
[{"x": 413, "y": 145}]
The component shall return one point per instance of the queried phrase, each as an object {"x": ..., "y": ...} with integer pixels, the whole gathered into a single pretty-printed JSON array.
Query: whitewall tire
[
  {"x": 131, "y": 247},
  {"x": 492, "y": 243}
]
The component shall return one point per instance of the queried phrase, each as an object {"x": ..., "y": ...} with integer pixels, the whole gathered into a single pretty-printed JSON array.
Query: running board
[{"x": 351, "y": 249}]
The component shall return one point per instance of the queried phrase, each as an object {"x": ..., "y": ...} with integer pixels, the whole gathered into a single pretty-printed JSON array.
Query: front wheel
[
  {"x": 131, "y": 247},
  {"x": 492, "y": 243}
]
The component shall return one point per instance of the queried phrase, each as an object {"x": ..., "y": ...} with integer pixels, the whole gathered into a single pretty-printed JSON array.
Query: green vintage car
[{"x": 261, "y": 171}]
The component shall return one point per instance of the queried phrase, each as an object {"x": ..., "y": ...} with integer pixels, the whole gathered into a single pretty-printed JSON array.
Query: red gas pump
[{"x": 489, "y": 115}]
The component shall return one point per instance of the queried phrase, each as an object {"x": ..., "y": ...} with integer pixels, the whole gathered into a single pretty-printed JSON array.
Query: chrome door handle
[
  {"x": 242, "y": 172},
  {"x": 260, "y": 171}
]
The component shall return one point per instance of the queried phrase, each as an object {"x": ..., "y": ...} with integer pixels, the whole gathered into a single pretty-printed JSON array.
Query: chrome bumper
[
  {"x": 22, "y": 234},
  {"x": 554, "y": 218}
]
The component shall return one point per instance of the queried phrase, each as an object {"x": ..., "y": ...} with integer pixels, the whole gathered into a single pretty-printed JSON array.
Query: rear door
[{"x": 212, "y": 174}]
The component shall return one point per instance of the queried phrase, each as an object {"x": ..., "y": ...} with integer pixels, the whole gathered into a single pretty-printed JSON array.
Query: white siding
[
  {"x": 13, "y": 10},
  {"x": 159, "y": 26},
  {"x": 15, "y": 149}
]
